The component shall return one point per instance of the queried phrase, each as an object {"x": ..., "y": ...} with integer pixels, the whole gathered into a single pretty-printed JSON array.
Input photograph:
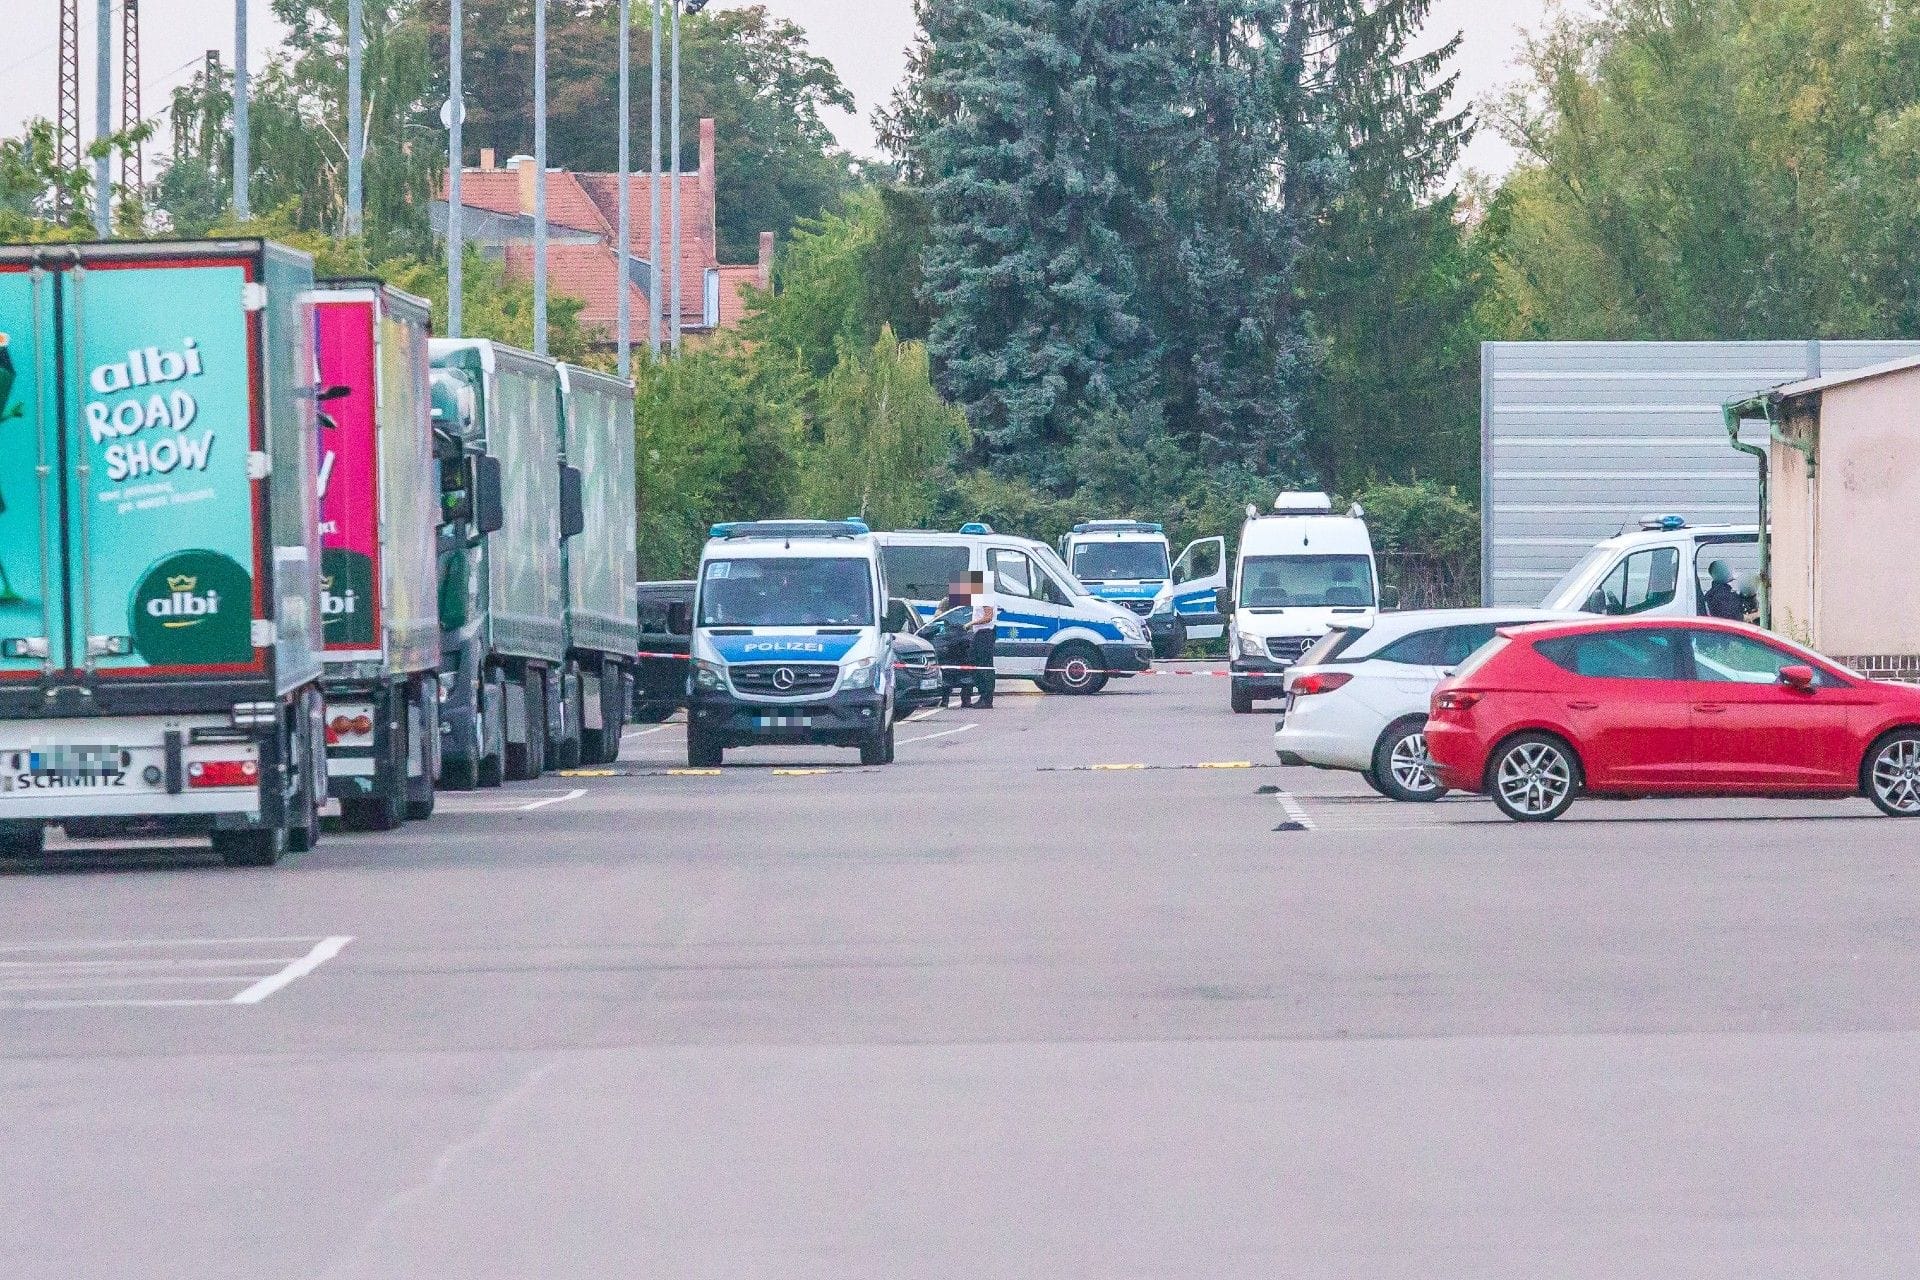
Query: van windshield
[
  {"x": 787, "y": 591},
  {"x": 1306, "y": 582},
  {"x": 1117, "y": 561},
  {"x": 1058, "y": 571},
  {"x": 924, "y": 573}
]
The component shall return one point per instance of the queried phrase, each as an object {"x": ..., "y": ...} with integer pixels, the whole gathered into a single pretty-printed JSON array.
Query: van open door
[{"x": 1199, "y": 573}]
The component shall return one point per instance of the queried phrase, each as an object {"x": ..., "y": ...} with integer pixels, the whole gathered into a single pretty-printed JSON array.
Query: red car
[{"x": 1628, "y": 708}]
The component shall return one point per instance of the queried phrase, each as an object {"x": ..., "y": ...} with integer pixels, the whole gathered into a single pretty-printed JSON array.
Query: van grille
[
  {"x": 801, "y": 678},
  {"x": 1288, "y": 648},
  {"x": 1141, "y": 607}
]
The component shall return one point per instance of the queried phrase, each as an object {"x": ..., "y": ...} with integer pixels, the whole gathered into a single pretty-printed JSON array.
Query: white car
[{"x": 1357, "y": 700}]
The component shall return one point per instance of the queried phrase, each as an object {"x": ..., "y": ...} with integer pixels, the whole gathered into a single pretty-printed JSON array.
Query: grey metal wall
[{"x": 1578, "y": 438}]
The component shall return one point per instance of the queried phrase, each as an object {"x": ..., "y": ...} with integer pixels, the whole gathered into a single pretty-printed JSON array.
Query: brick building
[{"x": 582, "y": 220}]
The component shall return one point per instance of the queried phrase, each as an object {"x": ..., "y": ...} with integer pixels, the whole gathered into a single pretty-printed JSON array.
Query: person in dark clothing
[
  {"x": 1721, "y": 599},
  {"x": 980, "y": 625}
]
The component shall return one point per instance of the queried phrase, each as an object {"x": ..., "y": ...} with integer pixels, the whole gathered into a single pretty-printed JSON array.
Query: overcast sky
[{"x": 865, "y": 39}]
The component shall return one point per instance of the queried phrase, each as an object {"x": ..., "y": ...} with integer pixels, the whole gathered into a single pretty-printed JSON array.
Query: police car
[
  {"x": 1049, "y": 628},
  {"x": 789, "y": 643},
  {"x": 1126, "y": 562}
]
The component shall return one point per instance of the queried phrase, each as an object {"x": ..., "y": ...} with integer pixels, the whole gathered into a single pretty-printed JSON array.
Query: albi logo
[
  {"x": 343, "y": 605},
  {"x": 182, "y": 606}
]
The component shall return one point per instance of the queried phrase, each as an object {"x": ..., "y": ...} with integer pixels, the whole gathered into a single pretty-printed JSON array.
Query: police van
[
  {"x": 1049, "y": 628},
  {"x": 789, "y": 643},
  {"x": 1127, "y": 563},
  {"x": 1301, "y": 570}
]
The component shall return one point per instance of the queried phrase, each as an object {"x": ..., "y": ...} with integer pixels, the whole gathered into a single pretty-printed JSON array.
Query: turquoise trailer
[{"x": 160, "y": 615}]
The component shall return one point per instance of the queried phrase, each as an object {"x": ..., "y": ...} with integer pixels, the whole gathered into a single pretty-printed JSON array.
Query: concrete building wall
[{"x": 1865, "y": 582}]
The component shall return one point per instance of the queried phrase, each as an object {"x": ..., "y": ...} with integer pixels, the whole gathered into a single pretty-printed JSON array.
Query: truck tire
[
  {"x": 421, "y": 791},
  {"x": 528, "y": 760},
  {"x": 303, "y": 824},
  {"x": 1241, "y": 698},
  {"x": 260, "y": 847},
  {"x": 704, "y": 749},
  {"x": 493, "y": 731},
  {"x": 22, "y": 839},
  {"x": 567, "y": 749},
  {"x": 384, "y": 812},
  {"x": 1175, "y": 642}
]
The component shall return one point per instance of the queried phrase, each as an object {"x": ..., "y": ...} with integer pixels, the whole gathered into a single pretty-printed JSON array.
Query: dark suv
[{"x": 666, "y": 628}]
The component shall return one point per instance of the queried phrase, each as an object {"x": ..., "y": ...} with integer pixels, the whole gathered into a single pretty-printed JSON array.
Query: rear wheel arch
[{"x": 1873, "y": 748}]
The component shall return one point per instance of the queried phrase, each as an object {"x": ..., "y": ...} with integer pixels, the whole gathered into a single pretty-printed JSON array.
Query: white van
[
  {"x": 1300, "y": 570},
  {"x": 1050, "y": 629},
  {"x": 1665, "y": 569},
  {"x": 1126, "y": 562},
  {"x": 789, "y": 641}
]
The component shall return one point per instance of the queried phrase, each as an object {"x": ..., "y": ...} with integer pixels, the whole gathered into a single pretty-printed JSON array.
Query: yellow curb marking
[
  {"x": 589, "y": 773},
  {"x": 797, "y": 773},
  {"x": 1114, "y": 768},
  {"x": 1224, "y": 764},
  {"x": 693, "y": 773}
]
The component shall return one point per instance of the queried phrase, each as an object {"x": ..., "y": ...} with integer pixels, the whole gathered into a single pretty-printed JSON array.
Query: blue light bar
[
  {"x": 789, "y": 529},
  {"x": 1117, "y": 526},
  {"x": 974, "y": 526}
]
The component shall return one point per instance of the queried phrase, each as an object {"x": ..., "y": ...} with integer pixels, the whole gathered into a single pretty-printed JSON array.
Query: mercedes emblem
[{"x": 783, "y": 678}]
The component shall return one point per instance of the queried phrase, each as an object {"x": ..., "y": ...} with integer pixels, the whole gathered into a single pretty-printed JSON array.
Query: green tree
[
  {"x": 750, "y": 71},
  {"x": 1392, "y": 281},
  {"x": 885, "y": 435},
  {"x": 1032, "y": 179},
  {"x": 297, "y": 119},
  {"x": 1714, "y": 169}
]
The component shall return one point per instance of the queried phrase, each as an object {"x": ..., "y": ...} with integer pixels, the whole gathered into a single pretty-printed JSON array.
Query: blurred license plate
[
  {"x": 75, "y": 766},
  {"x": 783, "y": 722}
]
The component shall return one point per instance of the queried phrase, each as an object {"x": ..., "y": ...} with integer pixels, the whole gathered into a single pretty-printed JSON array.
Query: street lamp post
[
  {"x": 356, "y": 141},
  {"x": 625, "y": 336},
  {"x": 456, "y": 116},
  {"x": 653, "y": 225},
  {"x": 540, "y": 177},
  {"x": 241, "y": 160},
  {"x": 679, "y": 316},
  {"x": 103, "y": 120}
]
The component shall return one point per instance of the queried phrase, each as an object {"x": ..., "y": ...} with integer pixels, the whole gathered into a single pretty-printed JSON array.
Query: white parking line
[
  {"x": 1296, "y": 812},
  {"x": 927, "y": 713},
  {"x": 641, "y": 733},
  {"x": 323, "y": 951},
  {"x": 925, "y": 737},
  {"x": 574, "y": 794}
]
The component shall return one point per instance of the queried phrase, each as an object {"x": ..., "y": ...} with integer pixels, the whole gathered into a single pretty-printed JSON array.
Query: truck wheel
[
  {"x": 1076, "y": 668},
  {"x": 22, "y": 839},
  {"x": 1241, "y": 697},
  {"x": 261, "y": 847},
  {"x": 303, "y": 826},
  {"x": 384, "y": 812},
  {"x": 524, "y": 760},
  {"x": 567, "y": 749},
  {"x": 420, "y": 791},
  {"x": 493, "y": 731},
  {"x": 704, "y": 750},
  {"x": 1175, "y": 644}
]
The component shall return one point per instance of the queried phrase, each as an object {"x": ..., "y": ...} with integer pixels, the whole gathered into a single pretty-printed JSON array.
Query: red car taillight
[
  {"x": 1454, "y": 700},
  {"x": 1319, "y": 682}
]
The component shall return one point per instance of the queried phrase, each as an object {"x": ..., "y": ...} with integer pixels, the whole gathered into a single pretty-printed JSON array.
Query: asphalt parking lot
[{"x": 1077, "y": 987}]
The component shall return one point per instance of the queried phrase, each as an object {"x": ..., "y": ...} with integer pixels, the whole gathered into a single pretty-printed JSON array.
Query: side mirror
[
  {"x": 1389, "y": 597},
  {"x": 1797, "y": 678},
  {"x": 573, "y": 502},
  {"x": 489, "y": 505},
  {"x": 680, "y": 618},
  {"x": 1223, "y": 602},
  {"x": 331, "y": 393},
  {"x": 446, "y": 446}
]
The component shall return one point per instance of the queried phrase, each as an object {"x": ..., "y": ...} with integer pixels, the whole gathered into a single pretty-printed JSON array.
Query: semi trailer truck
[
  {"x": 161, "y": 626},
  {"x": 503, "y": 593},
  {"x": 378, "y": 524}
]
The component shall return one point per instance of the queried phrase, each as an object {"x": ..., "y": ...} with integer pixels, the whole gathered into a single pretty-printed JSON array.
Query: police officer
[{"x": 1722, "y": 600}]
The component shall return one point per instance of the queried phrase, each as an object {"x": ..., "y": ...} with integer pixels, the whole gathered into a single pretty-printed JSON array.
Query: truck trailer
[
  {"x": 160, "y": 627},
  {"x": 503, "y": 592},
  {"x": 378, "y": 523},
  {"x": 600, "y": 560}
]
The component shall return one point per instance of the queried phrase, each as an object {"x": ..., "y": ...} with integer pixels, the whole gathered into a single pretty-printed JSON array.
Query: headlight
[
  {"x": 709, "y": 675},
  {"x": 1130, "y": 628},
  {"x": 858, "y": 672},
  {"x": 1251, "y": 646}
]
